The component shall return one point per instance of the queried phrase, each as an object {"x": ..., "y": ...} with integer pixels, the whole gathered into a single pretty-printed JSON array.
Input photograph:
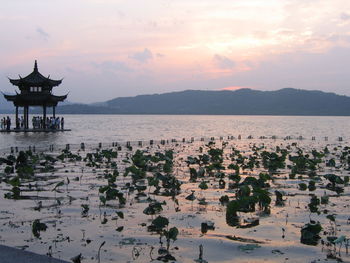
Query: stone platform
[
  {"x": 34, "y": 130},
  {"x": 14, "y": 255}
]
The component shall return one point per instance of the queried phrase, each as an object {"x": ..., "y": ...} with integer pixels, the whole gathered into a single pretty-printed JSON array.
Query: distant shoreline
[{"x": 243, "y": 102}]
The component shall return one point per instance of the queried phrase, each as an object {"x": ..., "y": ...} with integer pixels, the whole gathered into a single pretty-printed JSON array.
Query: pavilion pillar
[
  {"x": 44, "y": 116},
  {"x": 27, "y": 117},
  {"x": 24, "y": 116},
  {"x": 54, "y": 112},
  {"x": 17, "y": 121}
]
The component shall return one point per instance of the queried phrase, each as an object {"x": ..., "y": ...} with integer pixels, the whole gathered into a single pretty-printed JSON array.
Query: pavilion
[{"x": 35, "y": 90}]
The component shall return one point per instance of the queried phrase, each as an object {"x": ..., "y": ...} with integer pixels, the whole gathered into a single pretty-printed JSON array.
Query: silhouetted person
[
  {"x": 8, "y": 123},
  {"x": 62, "y": 123}
]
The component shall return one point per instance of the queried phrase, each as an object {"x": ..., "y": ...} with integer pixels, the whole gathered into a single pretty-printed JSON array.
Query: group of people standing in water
[
  {"x": 37, "y": 122},
  {"x": 51, "y": 123},
  {"x": 6, "y": 123}
]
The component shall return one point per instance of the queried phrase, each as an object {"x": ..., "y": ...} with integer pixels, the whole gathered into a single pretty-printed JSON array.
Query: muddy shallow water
[{"x": 57, "y": 196}]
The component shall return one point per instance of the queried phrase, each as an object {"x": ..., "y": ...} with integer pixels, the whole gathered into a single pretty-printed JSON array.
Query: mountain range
[{"x": 287, "y": 101}]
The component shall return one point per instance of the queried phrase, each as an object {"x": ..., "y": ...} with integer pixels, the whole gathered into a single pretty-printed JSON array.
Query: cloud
[
  {"x": 143, "y": 56},
  {"x": 43, "y": 34},
  {"x": 344, "y": 16},
  {"x": 111, "y": 65},
  {"x": 336, "y": 38},
  {"x": 223, "y": 62},
  {"x": 321, "y": 71}
]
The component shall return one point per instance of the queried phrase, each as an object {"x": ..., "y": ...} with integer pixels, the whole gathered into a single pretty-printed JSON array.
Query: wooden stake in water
[{"x": 99, "y": 251}]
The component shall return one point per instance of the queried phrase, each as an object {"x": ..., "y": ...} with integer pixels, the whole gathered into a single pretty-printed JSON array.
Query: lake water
[
  {"x": 62, "y": 188},
  {"x": 92, "y": 129}
]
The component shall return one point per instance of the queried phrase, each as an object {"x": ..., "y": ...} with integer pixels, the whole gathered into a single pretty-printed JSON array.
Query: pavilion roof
[
  {"x": 35, "y": 79},
  {"x": 38, "y": 100}
]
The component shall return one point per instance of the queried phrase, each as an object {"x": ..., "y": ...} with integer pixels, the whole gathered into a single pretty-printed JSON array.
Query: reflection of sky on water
[{"x": 111, "y": 128}]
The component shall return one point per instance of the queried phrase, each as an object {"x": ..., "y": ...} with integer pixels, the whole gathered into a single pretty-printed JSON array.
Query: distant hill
[
  {"x": 286, "y": 101},
  {"x": 5, "y": 106}
]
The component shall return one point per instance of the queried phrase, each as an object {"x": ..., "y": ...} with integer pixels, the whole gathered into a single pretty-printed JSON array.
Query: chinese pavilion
[{"x": 35, "y": 90}]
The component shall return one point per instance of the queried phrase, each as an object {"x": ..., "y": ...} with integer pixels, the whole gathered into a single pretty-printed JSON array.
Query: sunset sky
[{"x": 110, "y": 48}]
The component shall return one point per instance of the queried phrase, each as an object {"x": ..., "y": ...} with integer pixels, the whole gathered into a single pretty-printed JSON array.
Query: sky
[{"x": 114, "y": 48}]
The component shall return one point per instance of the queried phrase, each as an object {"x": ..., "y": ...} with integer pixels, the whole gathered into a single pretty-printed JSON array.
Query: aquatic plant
[
  {"x": 194, "y": 174},
  {"x": 264, "y": 199},
  {"x": 334, "y": 181},
  {"x": 249, "y": 194},
  {"x": 232, "y": 208},
  {"x": 312, "y": 186},
  {"x": 76, "y": 259},
  {"x": 15, "y": 193},
  {"x": 310, "y": 233},
  {"x": 153, "y": 208},
  {"x": 303, "y": 163},
  {"x": 207, "y": 225},
  {"x": 203, "y": 185},
  {"x": 57, "y": 186},
  {"x": 279, "y": 198},
  {"x": 273, "y": 161},
  {"x": 324, "y": 199},
  {"x": 111, "y": 193},
  {"x": 302, "y": 186},
  {"x": 314, "y": 203},
  {"x": 160, "y": 225},
  {"x": 37, "y": 227},
  {"x": 85, "y": 211}
]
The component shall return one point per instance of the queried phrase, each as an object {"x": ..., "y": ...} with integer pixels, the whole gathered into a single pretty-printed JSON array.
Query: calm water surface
[{"x": 92, "y": 129}]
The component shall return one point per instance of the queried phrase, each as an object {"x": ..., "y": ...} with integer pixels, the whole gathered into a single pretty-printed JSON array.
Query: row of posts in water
[{"x": 128, "y": 144}]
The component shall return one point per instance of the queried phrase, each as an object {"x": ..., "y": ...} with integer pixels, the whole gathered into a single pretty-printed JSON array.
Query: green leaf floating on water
[
  {"x": 15, "y": 182},
  {"x": 172, "y": 234},
  {"x": 248, "y": 247},
  {"x": 120, "y": 214},
  {"x": 160, "y": 222},
  {"x": 339, "y": 240},
  {"x": 103, "y": 199},
  {"x": 37, "y": 227},
  {"x": 203, "y": 185},
  {"x": 331, "y": 217},
  {"x": 119, "y": 229},
  {"x": 58, "y": 185}
]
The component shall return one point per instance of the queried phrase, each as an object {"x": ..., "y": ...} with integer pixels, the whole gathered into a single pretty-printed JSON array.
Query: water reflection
[{"x": 109, "y": 128}]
